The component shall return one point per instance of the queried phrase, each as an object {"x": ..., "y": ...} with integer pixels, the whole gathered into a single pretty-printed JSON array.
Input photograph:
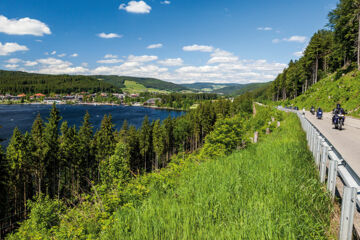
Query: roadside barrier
[{"x": 331, "y": 165}]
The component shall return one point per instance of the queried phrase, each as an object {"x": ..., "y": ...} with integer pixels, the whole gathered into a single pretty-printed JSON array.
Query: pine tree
[
  {"x": 37, "y": 135},
  {"x": 159, "y": 142},
  {"x": 134, "y": 150},
  {"x": 145, "y": 140}
]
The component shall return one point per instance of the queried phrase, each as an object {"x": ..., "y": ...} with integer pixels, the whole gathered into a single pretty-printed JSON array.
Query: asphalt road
[{"x": 346, "y": 141}]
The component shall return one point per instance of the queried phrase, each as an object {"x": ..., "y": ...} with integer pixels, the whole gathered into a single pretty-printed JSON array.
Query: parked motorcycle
[{"x": 338, "y": 121}]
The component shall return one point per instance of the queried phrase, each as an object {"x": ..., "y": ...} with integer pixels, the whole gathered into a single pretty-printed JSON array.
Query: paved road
[{"x": 346, "y": 142}]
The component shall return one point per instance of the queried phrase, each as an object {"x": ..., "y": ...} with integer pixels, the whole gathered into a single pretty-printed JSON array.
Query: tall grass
[{"x": 268, "y": 191}]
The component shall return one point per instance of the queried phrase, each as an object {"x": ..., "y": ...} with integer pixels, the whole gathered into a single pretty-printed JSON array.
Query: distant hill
[
  {"x": 225, "y": 88},
  {"x": 208, "y": 86},
  {"x": 15, "y": 82},
  {"x": 153, "y": 83}
]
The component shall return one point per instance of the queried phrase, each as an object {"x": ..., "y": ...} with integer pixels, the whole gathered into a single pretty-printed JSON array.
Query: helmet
[{"x": 338, "y": 105}]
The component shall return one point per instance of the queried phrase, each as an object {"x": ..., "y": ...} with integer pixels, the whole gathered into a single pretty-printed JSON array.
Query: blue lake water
[{"x": 23, "y": 116}]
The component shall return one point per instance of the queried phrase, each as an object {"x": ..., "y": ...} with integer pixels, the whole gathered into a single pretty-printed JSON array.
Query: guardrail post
[
  {"x": 332, "y": 177},
  {"x": 318, "y": 151},
  {"x": 324, "y": 158},
  {"x": 347, "y": 213}
]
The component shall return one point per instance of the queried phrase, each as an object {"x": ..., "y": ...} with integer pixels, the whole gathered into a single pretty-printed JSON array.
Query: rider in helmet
[{"x": 338, "y": 110}]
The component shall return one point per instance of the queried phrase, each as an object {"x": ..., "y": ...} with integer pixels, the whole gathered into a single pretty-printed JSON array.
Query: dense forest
[
  {"x": 335, "y": 49},
  {"x": 64, "y": 163},
  {"x": 21, "y": 82}
]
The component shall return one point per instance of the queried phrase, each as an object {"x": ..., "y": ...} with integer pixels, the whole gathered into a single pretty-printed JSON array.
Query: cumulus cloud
[
  {"x": 109, "y": 35},
  {"x": 74, "y": 55},
  {"x": 264, "y": 28},
  {"x": 200, "y": 48},
  {"x": 143, "y": 58},
  {"x": 53, "y": 53},
  {"x": 110, "y": 56},
  {"x": 10, "y": 47},
  {"x": 157, "y": 45},
  {"x": 13, "y": 60},
  {"x": 300, "y": 39},
  {"x": 58, "y": 66},
  {"x": 110, "y": 61},
  {"x": 171, "y": 62},
  {"x": 135, "y": 7},
  {"x": 30, "y": 63},
  {"x": 62, "y": 55},
  {"x": 23, "y": 26},
  {"x": 221, "y": 56},
  {"x": 166, "y": 2},
  {"x": 11, "y": 66},
  {"x": 298, "y": 54}
]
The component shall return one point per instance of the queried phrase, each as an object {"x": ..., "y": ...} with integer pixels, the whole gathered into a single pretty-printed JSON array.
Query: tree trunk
[{"x": 316, "y": 69}]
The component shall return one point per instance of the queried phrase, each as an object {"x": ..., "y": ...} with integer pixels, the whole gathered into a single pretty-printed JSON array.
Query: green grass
[
  {"x": 329, "y": 91},
  {"x": 267, "y": 191},
  {"x": 134, "y": 87}
]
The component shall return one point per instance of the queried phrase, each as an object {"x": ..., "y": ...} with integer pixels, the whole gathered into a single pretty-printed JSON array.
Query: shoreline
[{"x": 98, "y": 104}]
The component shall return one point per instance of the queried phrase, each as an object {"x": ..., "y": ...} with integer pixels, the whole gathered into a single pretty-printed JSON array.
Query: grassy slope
[
  {"x": 328, "y": 92},
  {"x": 240, "y": 89},
  {"x": 134, "y": 87},
  {"x": 268, "y": 191},
  {"x": 151, "y": 83}
]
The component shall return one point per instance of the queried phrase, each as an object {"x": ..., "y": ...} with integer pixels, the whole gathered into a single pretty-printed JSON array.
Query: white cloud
[
  {"x": 23, "y": 26},
  {"x": 74, "y": 55},
  {"x": 200, "y": 48},
  {"x": 58, "y": 66},
  {"x": 14, "y": 60},
  {"x": 11, "y": 66},
  {"x": 144, "y": 58},
  {"x": 221, "y": 56},
  {"x": 110, "y": 56},
  {"x": 135, "y": 7},
  {"x": 157, "y": 45},
  {"x": 62, "y": 55},
  {"x": 171, "y": 62},
  {"x": 53, "y": 53},
  {"x": 30, "y": 63},
  {"x": 300, "y": 39},
  {"x": 298, "y": 54},
  {"x": 166, "y": 2},
  {"x": 264, "y": 28},
  {"x": 109, "y": 35},
  {"x": 110, "y": 61},
  {"x": 8, "y": 48}
]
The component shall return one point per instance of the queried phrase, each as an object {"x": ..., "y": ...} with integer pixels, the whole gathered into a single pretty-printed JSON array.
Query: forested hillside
[
  {"x": 21, "y": 82},
  {"x": 333, "y": 50},
  {"x": 232, "y": 89}
]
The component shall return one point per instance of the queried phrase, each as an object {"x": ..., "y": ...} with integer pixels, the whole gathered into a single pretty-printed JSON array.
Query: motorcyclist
[
  {"x": 338, "y": 110},
  {"x": 312, "y": 109}
]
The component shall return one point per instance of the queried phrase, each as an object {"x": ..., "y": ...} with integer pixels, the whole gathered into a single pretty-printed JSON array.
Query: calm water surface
[{"x": 23, "y": 116}]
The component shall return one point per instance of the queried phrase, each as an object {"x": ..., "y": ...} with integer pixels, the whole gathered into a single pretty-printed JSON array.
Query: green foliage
[
  {"x": 43, "y": 219},
  {"x": 29, "y": 83},
  {"x": 270, "y": 190}
]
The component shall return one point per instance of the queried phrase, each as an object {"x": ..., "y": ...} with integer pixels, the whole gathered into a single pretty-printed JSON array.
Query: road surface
[{"x": 346, "y": 141}]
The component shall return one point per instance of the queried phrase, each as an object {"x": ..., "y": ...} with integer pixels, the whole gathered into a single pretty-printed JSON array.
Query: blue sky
[{"x": 175, "y": 40}]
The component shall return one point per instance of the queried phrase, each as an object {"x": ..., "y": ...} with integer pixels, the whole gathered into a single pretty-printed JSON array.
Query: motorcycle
[
  {"x": 338, "y": 121},
  {"x": 312, "y": 110},
  {"x": 319, "y": 115}
]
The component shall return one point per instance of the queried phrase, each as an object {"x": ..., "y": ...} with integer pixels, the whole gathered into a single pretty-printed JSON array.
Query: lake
[{"x": 23, "y": 116}]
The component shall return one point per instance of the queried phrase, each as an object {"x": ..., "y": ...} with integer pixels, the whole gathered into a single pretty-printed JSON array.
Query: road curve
[{"x": 346, "y": 141}]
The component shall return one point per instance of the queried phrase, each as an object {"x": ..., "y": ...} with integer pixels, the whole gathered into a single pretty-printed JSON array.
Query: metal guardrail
[{"x": 329, "y": 161}]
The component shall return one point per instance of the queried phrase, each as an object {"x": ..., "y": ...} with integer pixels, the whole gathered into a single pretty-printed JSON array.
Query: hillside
[
  {"x": 225, "y": 88},
  {"x": 152, "y": 83},
  {"x": 330, "y": 91},
  {"x": 15, "y": 82},
  {"x": 207, "y": 86}
]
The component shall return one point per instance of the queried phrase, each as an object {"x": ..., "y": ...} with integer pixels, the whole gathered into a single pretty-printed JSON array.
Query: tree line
[
  {"x": 63, "y": 162},
  {"x": 335, "y": 49}
]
